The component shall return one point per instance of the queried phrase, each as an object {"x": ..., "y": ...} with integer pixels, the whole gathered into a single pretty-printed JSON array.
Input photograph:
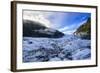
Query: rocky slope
[
  {"x": 35, "y": 29},
  {"x": 84, "y": 31}
]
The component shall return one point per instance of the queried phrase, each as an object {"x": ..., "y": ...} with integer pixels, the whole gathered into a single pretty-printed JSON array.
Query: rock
[
  {"x": 36, "y": 29},
  {"x": 84, "y": 31}
]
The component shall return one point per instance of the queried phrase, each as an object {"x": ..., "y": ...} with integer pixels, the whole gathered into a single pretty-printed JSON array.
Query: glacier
[{"x": 68, "y": 47}]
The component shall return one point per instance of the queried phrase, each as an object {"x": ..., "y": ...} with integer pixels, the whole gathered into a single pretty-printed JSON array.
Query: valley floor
[{"x": 68, "y": 47}]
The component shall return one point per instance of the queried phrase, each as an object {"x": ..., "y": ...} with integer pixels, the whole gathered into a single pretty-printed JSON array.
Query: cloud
[
  {"x": 65, "y": 22},
  {"x": 37, "y": 16},
  {"x": 72, "y": 28},
  {"x": 69, "y": 31}
]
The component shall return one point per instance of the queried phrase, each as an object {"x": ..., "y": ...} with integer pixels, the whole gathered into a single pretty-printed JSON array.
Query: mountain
[
  {"x": 84, "y": 31},
  {"x": 36, "y": 29}
]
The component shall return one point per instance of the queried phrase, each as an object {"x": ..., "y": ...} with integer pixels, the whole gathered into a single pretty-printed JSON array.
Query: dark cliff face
[
  {"x": 35, "y": 29},
  {"x": 84, "y": 31}
]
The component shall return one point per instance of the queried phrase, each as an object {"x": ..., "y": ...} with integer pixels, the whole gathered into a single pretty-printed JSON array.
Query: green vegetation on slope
[{"x": 84, "y": 30}]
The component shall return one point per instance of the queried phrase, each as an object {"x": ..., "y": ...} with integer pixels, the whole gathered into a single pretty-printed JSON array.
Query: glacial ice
[{"x": 68, "y": 47}]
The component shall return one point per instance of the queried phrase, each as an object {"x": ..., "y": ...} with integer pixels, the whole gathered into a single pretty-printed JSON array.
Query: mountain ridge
[
  {"x": 36, "y": 29},
  {"x": 84, "y": 31}
]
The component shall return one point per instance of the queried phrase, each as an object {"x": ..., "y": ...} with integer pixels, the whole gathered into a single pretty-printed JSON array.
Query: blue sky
[{"x": 66, "y": 22}]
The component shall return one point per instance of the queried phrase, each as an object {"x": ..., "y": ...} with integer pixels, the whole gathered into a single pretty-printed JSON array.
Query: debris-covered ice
[{"x": 68, "y": 47}]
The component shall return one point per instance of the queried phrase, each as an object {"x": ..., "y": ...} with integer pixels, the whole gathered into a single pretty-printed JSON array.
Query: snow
[
  {"x": 55, "y": 59},
  {"x": 68, "y": 47},
  {"x": 81, "y": 54}
]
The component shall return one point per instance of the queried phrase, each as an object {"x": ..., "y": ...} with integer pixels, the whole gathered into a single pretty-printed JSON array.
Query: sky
[{"x": 66, "y": 22}]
